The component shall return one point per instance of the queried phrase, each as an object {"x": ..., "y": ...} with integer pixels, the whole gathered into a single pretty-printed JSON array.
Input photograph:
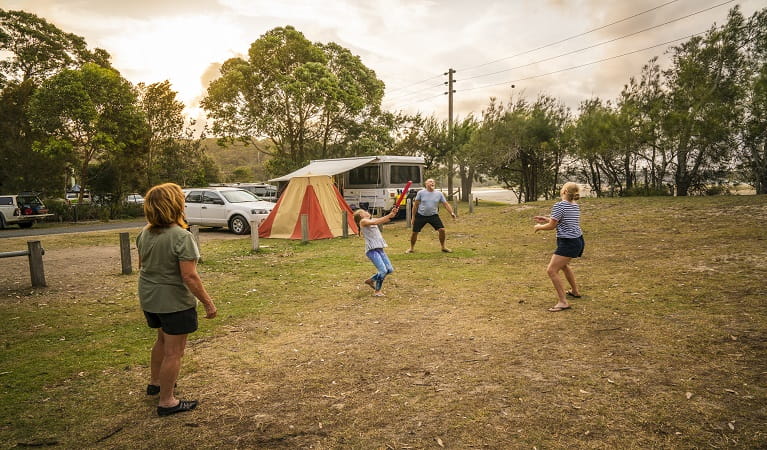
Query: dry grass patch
[{"x": 666, "y": 349}]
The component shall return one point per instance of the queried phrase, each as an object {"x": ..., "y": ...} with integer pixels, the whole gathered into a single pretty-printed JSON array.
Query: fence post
[
  {"x": 471, "y": 203},
  {"x": 253, "y": 236},
  {"x": 304, "y": 228},
  {"x": 36, "y": 269},
  {"x": 408, "y": 212},
  {"x": 125, "y": 253},
  {"x": 345, "y": 224},
  {"x": 195, "y": 230}
]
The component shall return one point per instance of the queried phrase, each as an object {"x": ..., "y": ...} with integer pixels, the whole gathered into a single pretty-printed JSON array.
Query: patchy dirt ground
[{"x": 665, "y": 350}]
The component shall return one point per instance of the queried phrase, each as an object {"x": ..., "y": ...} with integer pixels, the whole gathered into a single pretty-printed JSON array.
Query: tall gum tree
[
  {"x": 304, "y": 97},
  {"x": 753, "y": 136},
  {"x": 702, "y": 104}
]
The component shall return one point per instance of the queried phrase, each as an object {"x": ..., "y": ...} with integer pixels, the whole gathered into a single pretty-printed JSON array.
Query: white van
[
  {"x": 367, "y": 182},
  {"x": 376, "y": 185}
]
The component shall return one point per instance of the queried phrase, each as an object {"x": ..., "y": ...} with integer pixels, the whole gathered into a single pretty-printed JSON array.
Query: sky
[{"x": 534, "y": 45}]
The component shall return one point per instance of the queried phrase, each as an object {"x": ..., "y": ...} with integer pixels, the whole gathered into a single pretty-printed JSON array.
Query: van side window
[
  {"x": 403, "y": 174},
  {"x": 6, "y": 201},
  {"x": 365, "y": 175}
]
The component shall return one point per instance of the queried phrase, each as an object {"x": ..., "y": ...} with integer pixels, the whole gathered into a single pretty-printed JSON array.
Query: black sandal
[{"x": 183, "y": 405}]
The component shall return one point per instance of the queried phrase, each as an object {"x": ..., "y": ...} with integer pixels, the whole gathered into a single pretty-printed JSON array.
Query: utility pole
[{"x": 450, "y": 149}]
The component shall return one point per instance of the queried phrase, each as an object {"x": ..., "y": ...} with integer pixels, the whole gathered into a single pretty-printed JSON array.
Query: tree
[
  {"x": 86, "y": 115},
  {"x": 165, "y": 125},
  {"x": 310, "y": 100},
  {"x": 753, "y": 135},
  {"x": 464, "y": 156},
  {"x": 20, "y": 168},
  {"x": 704, "y": 84},
  {"x": 595, "y": 134},
  {"x": 522, "y": 146},
  {"x": 642, "y": 107},
  {"x": 37, "y": 49}
]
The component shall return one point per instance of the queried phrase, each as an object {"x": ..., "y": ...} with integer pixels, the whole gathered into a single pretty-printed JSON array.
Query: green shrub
[{"x": 645, "y": 191}]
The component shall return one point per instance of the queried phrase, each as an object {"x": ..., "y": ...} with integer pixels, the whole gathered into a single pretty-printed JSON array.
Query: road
[
  {"x": 47, "y": 229},
  {"x": 495, "y": 195},
  {"x": 490, "y": 194}
]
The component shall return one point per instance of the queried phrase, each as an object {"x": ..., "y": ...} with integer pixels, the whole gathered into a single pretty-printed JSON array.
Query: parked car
[
  {"x": 264, "y": 191},
  {"x": 136, "y": 199},
  {"x": 225, "y": 207},
  {"x": 23, "y": 210},
  {"x": 73, "y": 198}
]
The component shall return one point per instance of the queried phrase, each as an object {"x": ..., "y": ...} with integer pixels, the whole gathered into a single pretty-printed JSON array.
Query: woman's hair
[
  {"x": 571, "y": 191},
  {"x": 358, "y": 219},
  {"x": 164, "y": 206}
]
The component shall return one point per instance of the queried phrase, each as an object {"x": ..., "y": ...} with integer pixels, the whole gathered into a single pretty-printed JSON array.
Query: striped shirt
[
  {"x": 373, "y": 237},
  {"x": 568, "y": 216}
]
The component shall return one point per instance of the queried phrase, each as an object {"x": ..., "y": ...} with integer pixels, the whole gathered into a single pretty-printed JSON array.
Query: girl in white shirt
[{"x": 374, "y": 247}]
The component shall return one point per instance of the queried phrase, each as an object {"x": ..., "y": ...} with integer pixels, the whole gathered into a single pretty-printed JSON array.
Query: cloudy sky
[{"x": 535, "y": 45}]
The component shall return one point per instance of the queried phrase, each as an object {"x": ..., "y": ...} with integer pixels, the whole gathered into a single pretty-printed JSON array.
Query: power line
[
  {"x": 413, "y": 92},
  {"x": 600, "y": 43},
  {"x": 525, "y": 52},
  {"x": 569, "y": 38},
  {"x": 583, "y": 65}
]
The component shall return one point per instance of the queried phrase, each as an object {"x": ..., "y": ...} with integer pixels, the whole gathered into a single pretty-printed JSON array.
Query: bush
[
  {"x": 717, "y": 190},
  {"x": 645, "y": 191},
  {"x": 63, "y": 212}
]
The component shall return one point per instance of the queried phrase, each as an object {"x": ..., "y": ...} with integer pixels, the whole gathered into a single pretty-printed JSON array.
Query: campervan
[
  {"x": 376, "y": 185},
  {"x": 367, "y": 182}
]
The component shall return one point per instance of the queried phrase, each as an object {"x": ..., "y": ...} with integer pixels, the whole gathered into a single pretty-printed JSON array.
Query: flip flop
[
  {"x": 378, "y": 295},
  {"x": 370, "y": 283},
  {"x": 572, "y": 295},
  {"x": 558, "y": 308}
]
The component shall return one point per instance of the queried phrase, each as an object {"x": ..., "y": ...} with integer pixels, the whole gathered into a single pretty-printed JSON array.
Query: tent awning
[{"x": 327, "y": 167}]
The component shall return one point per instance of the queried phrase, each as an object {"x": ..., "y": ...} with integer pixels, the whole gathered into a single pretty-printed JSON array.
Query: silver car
[{"x": 225, "y": 207}]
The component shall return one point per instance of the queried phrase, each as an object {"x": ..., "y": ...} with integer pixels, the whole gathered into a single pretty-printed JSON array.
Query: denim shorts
[
  {"x": 180, "y": 322},
  {"x": 570, "y": 247}
]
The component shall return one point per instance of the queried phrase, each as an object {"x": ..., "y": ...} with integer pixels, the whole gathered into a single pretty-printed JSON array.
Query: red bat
[{"x": 402, "y": 195}]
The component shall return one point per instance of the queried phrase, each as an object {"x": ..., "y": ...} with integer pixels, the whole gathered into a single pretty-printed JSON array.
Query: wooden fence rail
[{"x": 35, "y": 253}]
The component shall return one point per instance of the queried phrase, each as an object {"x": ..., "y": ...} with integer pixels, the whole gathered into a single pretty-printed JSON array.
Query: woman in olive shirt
[{"x": 168, "y": 289}]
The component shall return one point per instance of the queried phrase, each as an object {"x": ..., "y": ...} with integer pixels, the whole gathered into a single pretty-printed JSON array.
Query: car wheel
[
  {"x": 25, "y": 224},
  {"x": 239, "y": 225},
  {"x": 2, "y": 222}
]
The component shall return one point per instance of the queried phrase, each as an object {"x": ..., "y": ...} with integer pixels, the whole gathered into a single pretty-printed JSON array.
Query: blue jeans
[{"x": 383, "y": 265}]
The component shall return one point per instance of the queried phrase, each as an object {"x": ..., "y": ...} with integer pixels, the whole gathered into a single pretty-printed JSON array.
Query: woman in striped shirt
[{"x": 565, "y": 218}]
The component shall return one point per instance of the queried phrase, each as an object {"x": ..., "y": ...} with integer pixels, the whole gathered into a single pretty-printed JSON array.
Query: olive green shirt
[{"x": 160, "y": 287}]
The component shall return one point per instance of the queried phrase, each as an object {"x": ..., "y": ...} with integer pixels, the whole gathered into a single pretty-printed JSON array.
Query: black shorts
[
  {"x": 420, "y": 221},
  {"x": 180, "y": 322},
  {"x": 570, "y": 247}
]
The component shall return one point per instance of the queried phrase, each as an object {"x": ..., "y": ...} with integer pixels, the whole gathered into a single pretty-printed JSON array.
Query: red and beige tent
[{"x": 319, "y": 199}]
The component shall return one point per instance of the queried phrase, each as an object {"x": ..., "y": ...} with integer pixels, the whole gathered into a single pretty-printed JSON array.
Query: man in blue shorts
[{"x": 426, "y": 210}]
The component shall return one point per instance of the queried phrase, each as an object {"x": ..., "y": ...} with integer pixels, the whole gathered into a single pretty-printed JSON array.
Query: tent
[{"x": 319, "y": 199}]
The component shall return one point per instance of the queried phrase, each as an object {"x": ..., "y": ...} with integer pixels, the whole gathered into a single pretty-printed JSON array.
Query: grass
[{"x": 665, "y": 350}]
